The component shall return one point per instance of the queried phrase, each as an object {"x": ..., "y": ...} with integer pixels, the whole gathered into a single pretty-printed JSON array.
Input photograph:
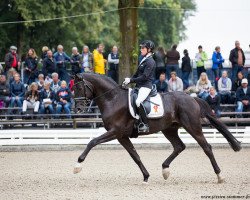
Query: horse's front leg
[{"x": 106, "y": 137}]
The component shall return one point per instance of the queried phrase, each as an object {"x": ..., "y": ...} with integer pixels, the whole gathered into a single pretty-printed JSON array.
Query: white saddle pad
[{"x": 157, "y": 109}]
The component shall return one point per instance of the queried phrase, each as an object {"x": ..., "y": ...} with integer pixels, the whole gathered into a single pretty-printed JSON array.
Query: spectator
[
  {"x": 47, "y": 99},
  {"x": 49, "y": 65},
  {"x": 40, "y": 82},
  {"x": 113, "y": 60},
  {"x": 243, "y": 97},
  {"x": 213, "y": 100},
  {"x": 99, "y": 61},
  {"x": 12, "y": 60},
  {"x": 161, "y": 83},
  {"x": 10, "y": 75},
  {"x": 31, "y": 99},
  {"x": 56, "y": 83},
  {"x": 203, "y": 85},
  {"x": 87, "y": 64},
  {"x": 237, "y": 58},
  {"x": 175, "y": 83},
  {"x": 4, "y": 91},
  {"x": 237, "y": 82},
  {"x": 217, "y": 64},
  {"x": 172, "y": 60},
  {"x": 160, "y": 56},
  {"x": 31, "y": 71},
  {"x": 224, "y": 87},
  {"x": 17, "y": 90},
  {"x": 61, "y": 58},
  {"x": 76, "y": 61},
  {"x": 45, "y": 50},
  {"x": 186, "y": 69},
  {"x": 63, "y": 99},
  {"x": 200, "y": 58}
]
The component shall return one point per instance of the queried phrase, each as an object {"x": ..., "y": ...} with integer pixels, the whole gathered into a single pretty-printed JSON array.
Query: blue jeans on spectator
[
  {"x": 18, "y": 102},
  {"x": 235, "y": 70},
  {"x": 225, "y": 97},
  {"x": 216, "y": 77},
  {"x": 66, "y": 108},
  {"x": 171, "y": 68},
  {"x": 49, "y": 107},
  {"x": 185, "y": 79},
  {"x": 203, "y": 95}
]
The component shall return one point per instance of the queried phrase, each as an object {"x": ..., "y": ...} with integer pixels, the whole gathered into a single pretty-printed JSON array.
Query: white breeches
[
  {"x": 27, "y": 104},
  {"x": 142, "y": 95}
]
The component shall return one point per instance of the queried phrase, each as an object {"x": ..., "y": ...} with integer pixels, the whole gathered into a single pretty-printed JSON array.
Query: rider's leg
[{"x": 142, "y": 95}]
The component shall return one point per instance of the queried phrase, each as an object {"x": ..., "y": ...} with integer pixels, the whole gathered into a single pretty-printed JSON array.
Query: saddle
[{"x": 152, "y": 104}]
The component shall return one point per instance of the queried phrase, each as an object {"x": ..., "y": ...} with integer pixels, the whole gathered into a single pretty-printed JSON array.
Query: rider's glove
[{"x": 126, "y": 81}]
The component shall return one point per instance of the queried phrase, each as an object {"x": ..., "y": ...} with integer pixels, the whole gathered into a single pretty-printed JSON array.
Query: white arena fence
[{"x": 83, "y": 136}]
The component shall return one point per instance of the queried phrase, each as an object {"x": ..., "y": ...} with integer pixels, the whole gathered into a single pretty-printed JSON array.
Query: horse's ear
[
  {"x": 72, "y": 77},
  {"x": 78, "y": 76}
]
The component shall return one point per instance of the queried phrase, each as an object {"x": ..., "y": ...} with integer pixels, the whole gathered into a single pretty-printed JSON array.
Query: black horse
[{"x": 181, "y": 110}]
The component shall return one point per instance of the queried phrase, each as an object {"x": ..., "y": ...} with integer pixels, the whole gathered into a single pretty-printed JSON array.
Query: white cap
[{"x": 244, "y": 80}]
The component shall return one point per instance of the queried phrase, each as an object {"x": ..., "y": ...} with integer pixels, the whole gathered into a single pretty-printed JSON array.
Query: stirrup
[{"x": 143, "y": 128}]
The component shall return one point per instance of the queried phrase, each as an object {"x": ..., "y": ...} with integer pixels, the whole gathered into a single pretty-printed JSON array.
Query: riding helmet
[{"x": 148, "y": 44}]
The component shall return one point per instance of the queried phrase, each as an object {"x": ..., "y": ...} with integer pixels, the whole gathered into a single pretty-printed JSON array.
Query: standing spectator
[
  {"x": 47, "y": 99},
  {"x": 175, "y": 83},
  {"x": 30, "y": 64},
  {"x": 61, "y": 58},
  {"x": 76, "y": 61},
  {"x": 56, "y": 83},
  {"x": 17, "y": 90},
  {"x": 237, "y": 58},
  {"x": 45, "y": 50},
  {"x": 172, "y": 60},
  {"x": 4, "y": 91},
  {"x": 224, "y": 87},
  {"x": 40, "y": 82},
  {"x": 200, "y": 58},
  {"x": 12, "y": 60},
  {"x": 49, "y": 65},
  {"x": 161, "y": 83},
  {"x": 213, "y": 101},
  {"x": 113, "y": 61},
  {"x": 99, "y": 61},
  {"x": 160, "y": 57},
  {"x": 63, "y": 99},
  {"x": 237, "y": 82},
  {"x": 186, "y": 69},
  {"x": 87, "y": 63},
  {"x": 31, "y": 99},
  {"x": 243, "y": 96},
  {"x": 203, "y": 85},
  {"x": 217, "y": 65}
]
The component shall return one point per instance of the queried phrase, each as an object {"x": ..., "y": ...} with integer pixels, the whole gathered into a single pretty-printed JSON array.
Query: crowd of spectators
[{"x": 47, "y": 89}]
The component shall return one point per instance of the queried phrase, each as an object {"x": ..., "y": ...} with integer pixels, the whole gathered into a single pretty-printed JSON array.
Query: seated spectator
[
  {"x": 76, "y": 61},
  {"x": 10, "y": 75},
  {"x": 224, "y": 87},
  {"x": 161, "y": 84},
  {"x": 56, "y": 83},
  {"x": 175, "y": 83},
  {"x": 31, "y": 70},
  {"x": 4, "y": 91},
  {"x": 63, "y": 97},
  {"x": 203, "y": 85},
  {"x": 243, "y": 97},
  {"x": 237, "y": 82},
  {"x": 49, "y": 65},
  {"x": 47, "y": 99},
  {"x": 40, "y": 82},
  {"x": 213, "y": 100},
  {"x": 87, "y": 64},
  {"x": 17, "y": 92},
  {"x": 31, "y": 99}
]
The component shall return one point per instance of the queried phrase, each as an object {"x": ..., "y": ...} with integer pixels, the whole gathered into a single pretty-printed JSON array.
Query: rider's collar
[{"x": 145, "y": 57}]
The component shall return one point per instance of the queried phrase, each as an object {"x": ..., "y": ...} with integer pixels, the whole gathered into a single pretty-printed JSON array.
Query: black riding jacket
[{"x": 144, "y": 75}]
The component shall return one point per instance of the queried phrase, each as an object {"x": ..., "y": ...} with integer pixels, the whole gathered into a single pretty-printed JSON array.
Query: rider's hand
[{"x": 126, "y": 81}]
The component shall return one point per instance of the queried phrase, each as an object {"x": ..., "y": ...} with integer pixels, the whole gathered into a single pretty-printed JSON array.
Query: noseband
[{"x": 86, "y": 86}]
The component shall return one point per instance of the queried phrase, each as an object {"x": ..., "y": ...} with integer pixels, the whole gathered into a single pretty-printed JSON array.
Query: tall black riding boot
[{"x": 143, "y": 125}]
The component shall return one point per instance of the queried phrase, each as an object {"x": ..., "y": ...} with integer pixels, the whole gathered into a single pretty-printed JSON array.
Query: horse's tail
[{"x": 206, "y": 112}]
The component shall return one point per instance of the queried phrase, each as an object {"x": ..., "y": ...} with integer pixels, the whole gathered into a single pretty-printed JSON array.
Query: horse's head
[{"x": 82, "y": 88}]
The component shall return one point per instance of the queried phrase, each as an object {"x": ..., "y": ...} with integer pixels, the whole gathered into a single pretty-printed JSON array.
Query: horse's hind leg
[
  {"x": 127, "y": 144},
  {"x": 194, "y": 128},
  {"x": 172, "y": 135}
]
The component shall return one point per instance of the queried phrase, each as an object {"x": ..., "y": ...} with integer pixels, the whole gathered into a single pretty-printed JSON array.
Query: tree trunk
[
  {"x": 20, "y": 36},
  {"x": 129, "y": 41}
]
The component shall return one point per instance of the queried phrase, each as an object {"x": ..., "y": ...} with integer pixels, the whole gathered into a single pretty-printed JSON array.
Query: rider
[{"x": 143, "y": 78}]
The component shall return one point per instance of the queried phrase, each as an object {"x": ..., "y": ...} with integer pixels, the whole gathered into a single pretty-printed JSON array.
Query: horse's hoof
[
  {"x": 77, "y": 168},
  {"x": 145, "y": 183},
  {"x": 220, "y": 179},
  {"x": 165, "y": 173}
]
